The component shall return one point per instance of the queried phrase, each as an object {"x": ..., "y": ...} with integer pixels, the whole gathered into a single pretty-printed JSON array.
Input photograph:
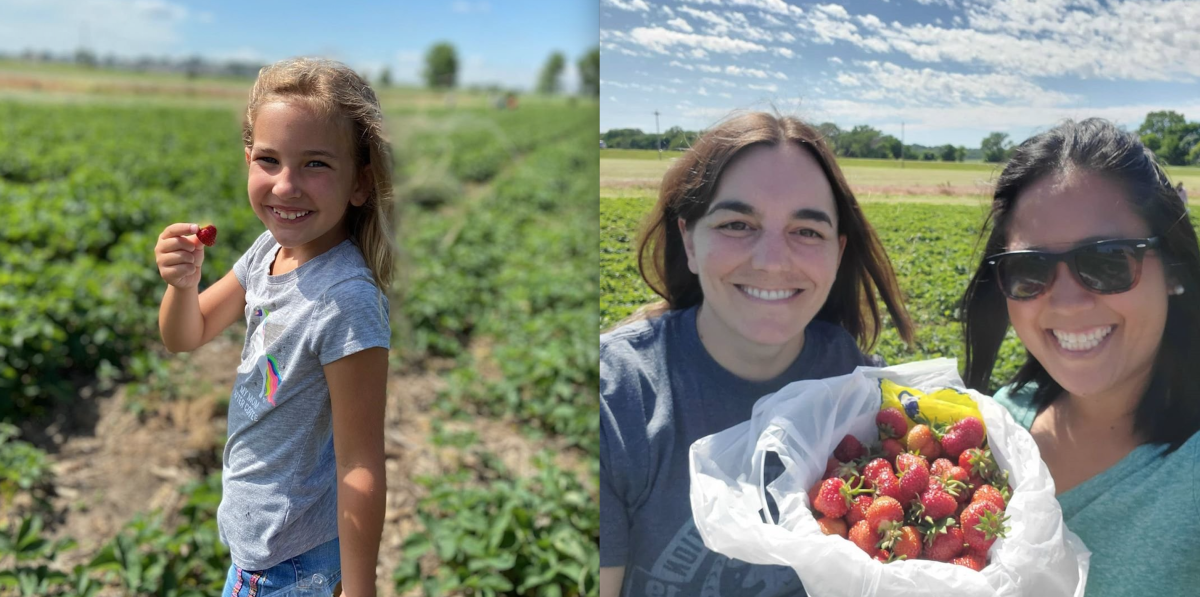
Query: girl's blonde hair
[{"x": 334, "y": 90}]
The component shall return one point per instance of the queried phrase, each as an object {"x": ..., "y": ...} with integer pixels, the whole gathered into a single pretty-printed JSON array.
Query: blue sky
[
  {"x": 503, "y": 41},
  {"x": 951, "y": 70}
]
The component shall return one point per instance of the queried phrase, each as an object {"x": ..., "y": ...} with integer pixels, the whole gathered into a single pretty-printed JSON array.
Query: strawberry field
[{"x": 491, "y": 314}]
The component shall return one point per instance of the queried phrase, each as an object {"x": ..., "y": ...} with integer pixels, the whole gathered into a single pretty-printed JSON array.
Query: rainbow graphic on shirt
[
  {"x": 266, "y": 364},
  {"x": 270, "y": 372}
]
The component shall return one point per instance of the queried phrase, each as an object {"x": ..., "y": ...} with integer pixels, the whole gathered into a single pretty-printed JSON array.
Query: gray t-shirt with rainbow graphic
[{"x": 279, "y": 475}]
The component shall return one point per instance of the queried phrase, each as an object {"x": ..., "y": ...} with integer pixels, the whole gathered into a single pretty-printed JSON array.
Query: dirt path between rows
[{"x": 115, "y": 463}]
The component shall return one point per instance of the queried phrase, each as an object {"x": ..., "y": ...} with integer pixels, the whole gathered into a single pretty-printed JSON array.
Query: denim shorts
[{"x": 314, "y": 573}]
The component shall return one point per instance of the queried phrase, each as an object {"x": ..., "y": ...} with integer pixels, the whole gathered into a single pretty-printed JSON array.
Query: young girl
[
  {"x": 304, "y": 481},
  {"x": 1094, "y": 262},
  {"x": 769, "y": 274}
]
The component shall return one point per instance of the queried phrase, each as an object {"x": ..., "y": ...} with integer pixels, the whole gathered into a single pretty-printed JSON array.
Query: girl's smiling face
[
  {"x": 1089, "y": 343},
  {"x": 302, "y": 177},
  {"x": 767, "y": 249}
]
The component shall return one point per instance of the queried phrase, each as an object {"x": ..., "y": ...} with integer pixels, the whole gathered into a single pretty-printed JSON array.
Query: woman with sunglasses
[
  {"x": 1093, "y": 261},
  {"x": 770, "y": 274}
]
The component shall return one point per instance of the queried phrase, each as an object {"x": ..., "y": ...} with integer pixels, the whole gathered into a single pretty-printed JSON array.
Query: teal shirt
[{"x": 1140, "y": 517}]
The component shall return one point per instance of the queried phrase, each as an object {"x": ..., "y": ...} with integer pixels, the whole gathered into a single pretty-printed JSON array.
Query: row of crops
[{"x": 499, "y": 240}]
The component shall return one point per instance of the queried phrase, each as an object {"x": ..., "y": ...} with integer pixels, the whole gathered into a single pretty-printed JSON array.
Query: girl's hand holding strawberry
[{"x": 179, "y": 255}]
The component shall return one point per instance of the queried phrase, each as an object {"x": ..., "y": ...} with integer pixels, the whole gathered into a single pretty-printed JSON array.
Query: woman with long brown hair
[{"x": 769, "y": 274}]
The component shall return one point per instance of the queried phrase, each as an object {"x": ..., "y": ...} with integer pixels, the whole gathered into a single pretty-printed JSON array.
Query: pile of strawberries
[{"x": 931, "y": 492}]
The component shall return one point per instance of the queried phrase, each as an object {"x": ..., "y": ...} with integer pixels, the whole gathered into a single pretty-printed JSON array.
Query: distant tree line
[
  {"x": 1168, "y": 134},
  {"x": 191, "y": 66},
  {"x": 860, "y": 142},
  {"x": 441, "y": 70},
  {"x": 1173, "y": 139},
  {"x": 441, "y": 67}
]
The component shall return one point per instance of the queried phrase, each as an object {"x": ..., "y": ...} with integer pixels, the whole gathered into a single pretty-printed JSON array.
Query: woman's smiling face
[
  {"x": 1089, "y": 343},
  {"x": 767, "y": 249}
]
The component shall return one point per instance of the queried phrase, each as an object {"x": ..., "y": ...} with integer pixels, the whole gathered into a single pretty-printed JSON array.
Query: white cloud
[
  {"x": 745, "y": 72},
  {"x": 835, "y": 60},
  {"x": 680, "y": 24},
  {"x": 833, "y": 10},
  {"x": 702, "y": 91},
  {"x": 775, "y": 6},
  {"x": 786, "y": 53},
  {"x": 771, "y": 20},
  {"x": 708, "y": 68},
  {"x": 721, "y": 82},
  {"x": 726, "y": 95},
  {"x": 1136, "y": 40},
  {"x": 629, "y": 5},
  {"x": 716, "y": 24},
  {"x": 660, "y": 40},
  {"x": 678, "y": 64},
  {"x": 884, "y": 81},
  {"x": 768, "y": 87}
]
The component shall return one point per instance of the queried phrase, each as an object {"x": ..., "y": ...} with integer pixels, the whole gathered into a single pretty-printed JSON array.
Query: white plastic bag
[{"x": 803, "y": 423}]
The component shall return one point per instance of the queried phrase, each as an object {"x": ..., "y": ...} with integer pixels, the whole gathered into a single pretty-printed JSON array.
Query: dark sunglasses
[{"x": 1105, "y": 267}]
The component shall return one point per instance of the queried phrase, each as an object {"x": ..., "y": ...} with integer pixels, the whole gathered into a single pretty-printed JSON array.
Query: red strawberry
[
  {"x": 954, "y": 481},
  {"x": 971, "y": 560},
  {"x": 831, "y": 467},
  {"x": 964, "y": 434},
  {"x": 882, "y": 511},
  {"x": 892, "y": 448},
  {"x": 882, "y": 556},
  {"x": 834, "y": 497},
  {"x": 945, "y": 546},
  {"x": 921, "y": 439},
  {"x": 887, "y": 485},
  {"x": 873, "y": 468},
  {"x": 906, "y": 461},
  {"x": 858, "y": 509},
  {"x": 208, "y": 235},
  {"x": 848, "y": 449},
  {"x": 989, "y": 494},
  {"x": 904, "y": 543},
  {"x": 938, "y": 503},
  {"x": 863, "y": 537},
  {"x": 982, "y": 524},
  {"x": 914, "y": 476},
  {"x": 813, "y": 492},
  {"x": 891, "y": 423},
  {"x": 833, "y": 526},
  {"x": 940, "y": 467},
  {"x": 978, "y": 464}
]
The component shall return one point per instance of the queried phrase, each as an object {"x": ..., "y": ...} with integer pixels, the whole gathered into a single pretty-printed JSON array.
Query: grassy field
[{"x": 636, "y": 173}]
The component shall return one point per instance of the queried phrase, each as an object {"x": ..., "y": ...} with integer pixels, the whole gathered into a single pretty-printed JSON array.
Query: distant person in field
[
  {"x": 1093, "y": 261},
  {"x": 303, "y": 473},
  {"x": 769, "y": 274}
]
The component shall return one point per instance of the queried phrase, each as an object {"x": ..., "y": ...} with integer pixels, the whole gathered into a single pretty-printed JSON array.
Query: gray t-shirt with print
[
  {"x": 279, "y": 475},
  {"x": 660, "y": 391}
]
